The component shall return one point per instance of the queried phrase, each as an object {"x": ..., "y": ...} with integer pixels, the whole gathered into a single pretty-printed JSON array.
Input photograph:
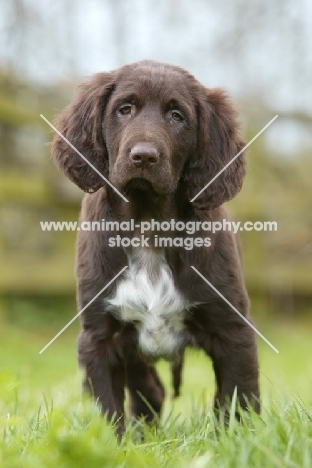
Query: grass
[{"x": 44, "y": 422}]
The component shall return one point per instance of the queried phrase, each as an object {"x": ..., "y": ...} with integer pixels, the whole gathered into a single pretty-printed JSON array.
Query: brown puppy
[{"x": 159, "y": 137}]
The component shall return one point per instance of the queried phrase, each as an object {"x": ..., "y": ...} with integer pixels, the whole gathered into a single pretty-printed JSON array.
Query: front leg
[
  {"x": 104, "y": 376},
  {"x": 235, "y": 365},
  {"x": 230, "y": 342}
]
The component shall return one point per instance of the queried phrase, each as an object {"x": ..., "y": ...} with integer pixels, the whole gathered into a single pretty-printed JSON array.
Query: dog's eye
[
  {"x": 126, "y": 109},
  {"x": 176, "y": 116}
]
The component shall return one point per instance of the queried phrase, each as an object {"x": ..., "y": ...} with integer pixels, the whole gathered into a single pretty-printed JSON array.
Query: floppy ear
[
  {"x": 81, "y": 123},
  {"x": 218, "y": 142}
]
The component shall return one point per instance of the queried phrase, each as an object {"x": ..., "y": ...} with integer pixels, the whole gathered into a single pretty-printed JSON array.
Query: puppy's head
[{"x": 145, "y": 127}]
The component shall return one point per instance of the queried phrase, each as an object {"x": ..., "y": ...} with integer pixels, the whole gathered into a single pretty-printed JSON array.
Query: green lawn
[{"x": 45, "y": 424}]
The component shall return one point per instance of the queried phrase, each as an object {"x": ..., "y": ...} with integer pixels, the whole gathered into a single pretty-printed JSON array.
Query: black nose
[{"x": 144, "y": 155}]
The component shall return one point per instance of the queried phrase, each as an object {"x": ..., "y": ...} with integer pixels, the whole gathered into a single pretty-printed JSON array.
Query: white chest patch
[{"x": 149, "y": 299}]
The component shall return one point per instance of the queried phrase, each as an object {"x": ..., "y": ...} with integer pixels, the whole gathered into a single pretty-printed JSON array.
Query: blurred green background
[{"x": 259, "y": 51}]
